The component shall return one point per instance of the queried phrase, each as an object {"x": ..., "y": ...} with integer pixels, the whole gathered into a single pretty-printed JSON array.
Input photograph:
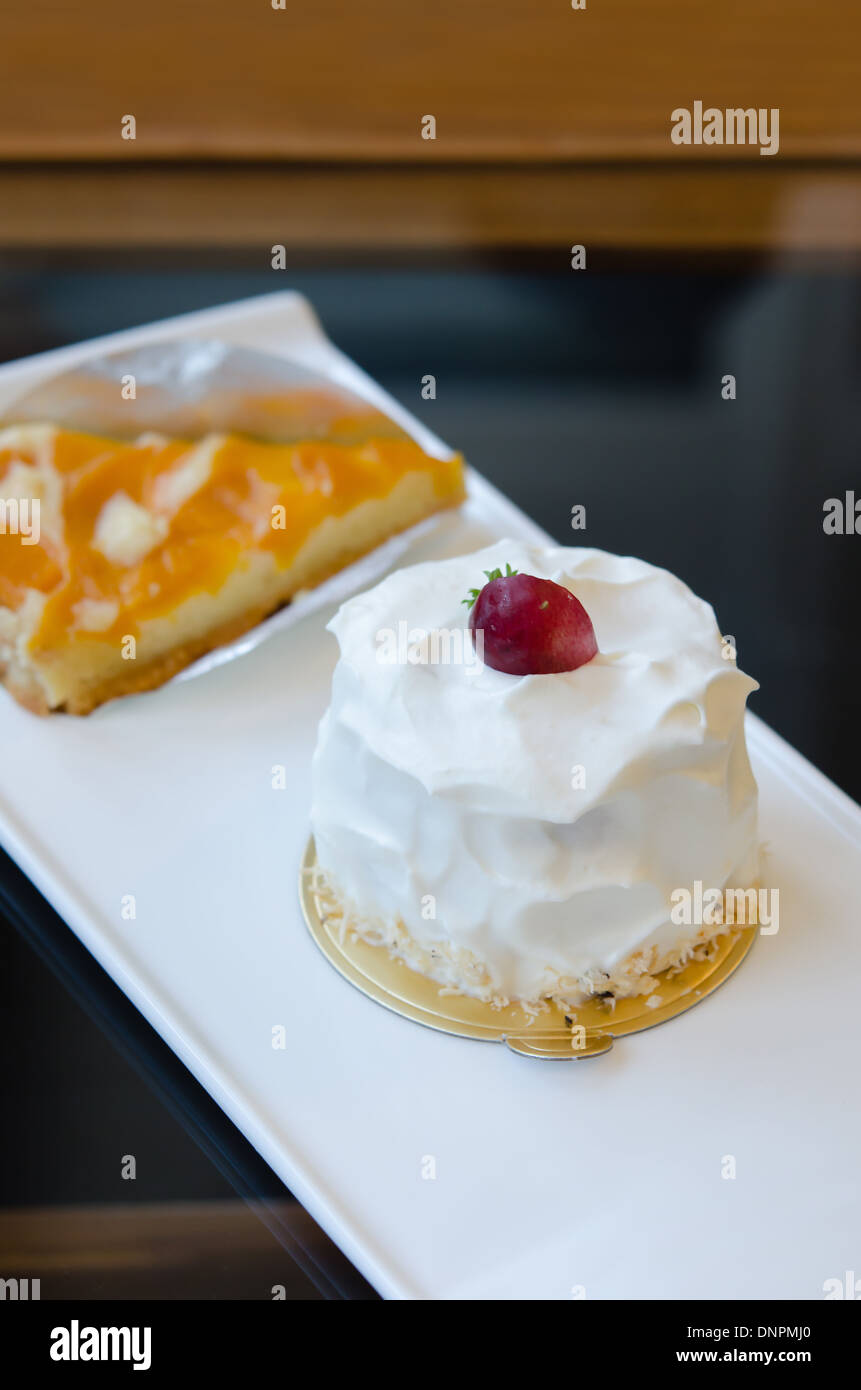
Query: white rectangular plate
[{"x": 552, "y": 1181}]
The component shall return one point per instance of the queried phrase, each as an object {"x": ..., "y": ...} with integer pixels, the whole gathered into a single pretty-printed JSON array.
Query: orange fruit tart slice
[{"x": 122, "y": 563}]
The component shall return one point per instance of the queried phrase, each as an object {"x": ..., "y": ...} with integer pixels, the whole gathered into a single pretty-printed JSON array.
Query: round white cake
[{"x": 521, "y": 837}]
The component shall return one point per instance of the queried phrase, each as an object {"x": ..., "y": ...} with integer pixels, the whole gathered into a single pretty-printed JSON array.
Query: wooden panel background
[
  {"x": 342, "y": 210},
  {"x": 301, "y": 125},
  {"x": 334, "y": 79},
  {"x": 208, "y": 1249}
]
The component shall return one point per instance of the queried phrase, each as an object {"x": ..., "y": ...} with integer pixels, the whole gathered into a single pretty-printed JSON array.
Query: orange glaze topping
[
  {"x": 24, "y": 566},
  {"x": 239, "y": 489}
]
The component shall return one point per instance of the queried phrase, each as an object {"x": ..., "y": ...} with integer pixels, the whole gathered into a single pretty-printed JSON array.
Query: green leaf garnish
[{"x": 491, "y": 574}]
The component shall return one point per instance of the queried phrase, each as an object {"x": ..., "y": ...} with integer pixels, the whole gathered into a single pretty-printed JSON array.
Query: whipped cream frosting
[{"x": 539, "y": 823}]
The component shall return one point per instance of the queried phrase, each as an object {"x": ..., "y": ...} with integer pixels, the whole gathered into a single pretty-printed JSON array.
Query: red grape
[{"x": 531, "y": 626}]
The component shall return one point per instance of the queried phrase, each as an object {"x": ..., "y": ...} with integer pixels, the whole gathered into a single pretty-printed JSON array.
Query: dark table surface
[{"x": 562, "y": 388}]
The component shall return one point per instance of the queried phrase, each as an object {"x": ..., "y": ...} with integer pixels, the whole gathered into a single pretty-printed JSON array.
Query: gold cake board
[{"x": 586, "y": 1031}]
